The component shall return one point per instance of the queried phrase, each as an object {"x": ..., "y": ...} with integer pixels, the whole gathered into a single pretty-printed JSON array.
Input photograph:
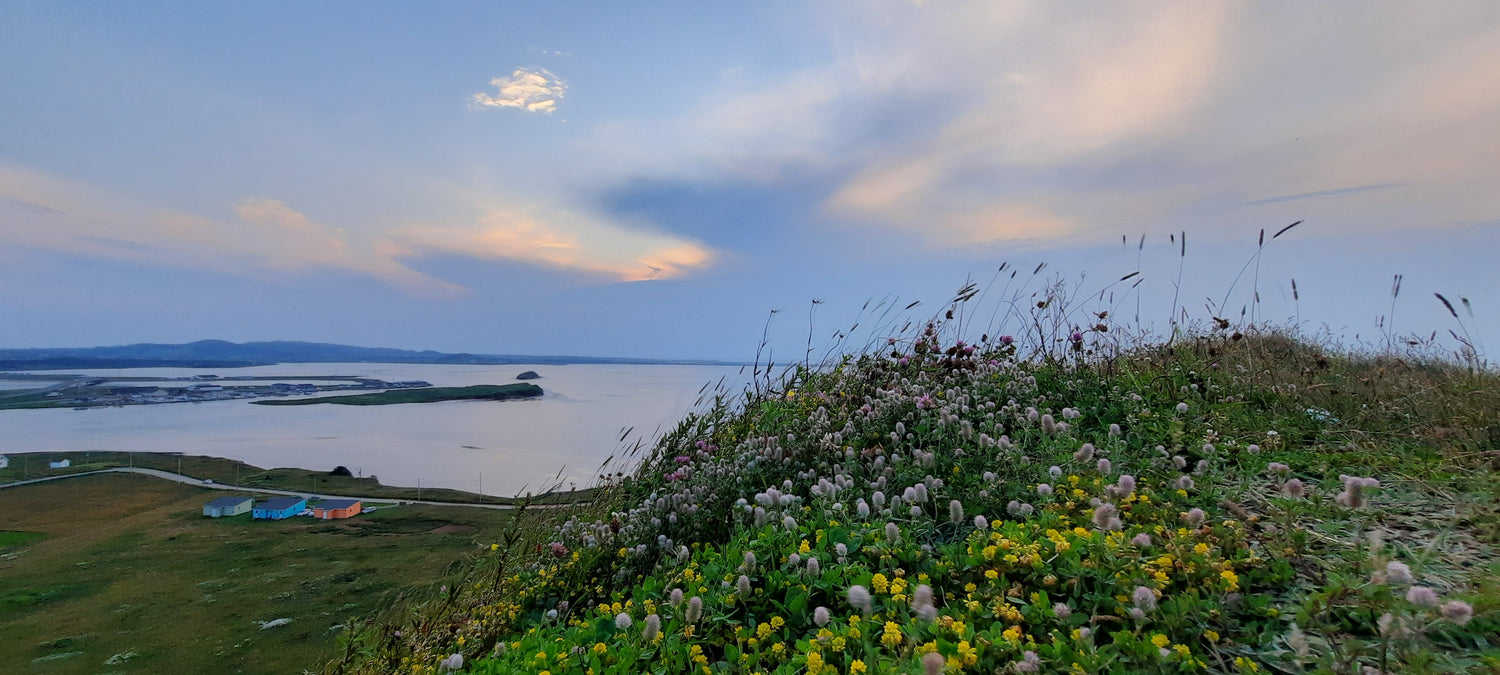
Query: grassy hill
[{"x": 1223, "y": 504}]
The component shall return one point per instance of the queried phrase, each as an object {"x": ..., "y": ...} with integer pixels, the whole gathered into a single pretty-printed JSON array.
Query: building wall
[{"x": 330, "y": 514}]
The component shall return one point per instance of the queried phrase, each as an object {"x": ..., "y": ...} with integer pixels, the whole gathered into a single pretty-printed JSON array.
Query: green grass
[
  {"x": 129, "y": 566},
  {"x": 478, "y": 392},
  {"x": 10, "y": 538},
  {"x": 1241, "y": 570},
  {"x": 231, "y": 472}
]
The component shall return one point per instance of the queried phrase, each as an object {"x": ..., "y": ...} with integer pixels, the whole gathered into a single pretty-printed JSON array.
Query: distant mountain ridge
[{"x": 223, "y": 354}]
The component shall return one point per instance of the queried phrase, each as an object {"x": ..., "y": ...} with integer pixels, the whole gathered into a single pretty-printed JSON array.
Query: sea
[{"x": 589, "y": 413}]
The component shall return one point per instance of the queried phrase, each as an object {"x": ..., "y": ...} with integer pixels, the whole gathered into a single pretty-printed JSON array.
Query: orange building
[{"x": 337, "y": 508}]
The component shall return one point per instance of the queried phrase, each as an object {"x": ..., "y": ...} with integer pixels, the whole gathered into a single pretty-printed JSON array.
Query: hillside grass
[
  {"x": 25, "y": 466},
  {"x": 1226, "y": 503},
  {"x": 122, "y": 573}
]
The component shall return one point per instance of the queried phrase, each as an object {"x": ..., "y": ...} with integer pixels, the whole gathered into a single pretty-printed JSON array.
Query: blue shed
[{"x": 280, "y": 507}]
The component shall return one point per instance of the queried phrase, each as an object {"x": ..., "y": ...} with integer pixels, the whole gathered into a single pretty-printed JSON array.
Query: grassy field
[
  {"x": 478, "y": 392},
  {"x": 230, "y": 472},
  {"x": 122, "y": 574}
]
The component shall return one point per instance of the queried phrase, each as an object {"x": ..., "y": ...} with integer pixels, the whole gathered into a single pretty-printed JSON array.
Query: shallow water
[{"x": 497, "y": 447}]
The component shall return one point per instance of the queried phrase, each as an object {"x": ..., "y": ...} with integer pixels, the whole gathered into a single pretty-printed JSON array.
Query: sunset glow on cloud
[{"x": 850, "y": 149}]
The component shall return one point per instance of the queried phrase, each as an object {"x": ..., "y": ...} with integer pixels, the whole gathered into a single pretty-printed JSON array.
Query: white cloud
[
  {"x": 976, "y": 122},
  {"x": 268, "y": 235},
  {"x": 530, "y": 89},
  {"x": 43, "y": 211}
]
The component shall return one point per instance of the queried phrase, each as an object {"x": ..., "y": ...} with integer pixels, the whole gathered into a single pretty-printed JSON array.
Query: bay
[{"x": 494, "y": 447}]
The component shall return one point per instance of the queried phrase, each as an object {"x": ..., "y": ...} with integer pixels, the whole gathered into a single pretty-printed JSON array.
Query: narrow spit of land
[{"x": 478, "y": 392}]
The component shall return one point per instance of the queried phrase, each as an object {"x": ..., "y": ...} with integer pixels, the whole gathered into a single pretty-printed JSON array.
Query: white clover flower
[
  {"x": 1142, "y": 540},
  {"x": 932, "y": 663},
  {"x": 981, "y": 523},
  {"x": 1422, "y": 596},
  {"x": 622, "y": 621},
  {"x": 1084, "y": 453},
  {"x": 742, "y": 586},
  {"x": 694, "y": 610},
  {"x": 813, "y": 567},
  {"x": 1182, "y": 407},
  {"x": 1062, "y": 611},
  {"x": 1457, "y": 612},
  {"x": 1397, "y": 573},
  {"x": 652, "y": 629},
  {"x": 1044, "y": 489},
  {"x": 1054, "y": 471},
  {"x": 1194, "y": 517},
  {"x": 1144, "y": 598},
  {"x": 859, "y": 598},
  {"x": 821, "y": 617},
  {"x": 1104, "y": 466},
  {"x": 955, "y": 511}
]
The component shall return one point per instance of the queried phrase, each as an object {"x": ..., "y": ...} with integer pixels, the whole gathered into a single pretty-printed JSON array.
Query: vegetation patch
[
  {"x": 131, "y": 570},
  {"x": 12, "y": 538},
  {"x": 478, "y": 392},
  {"x": 1230, "y": 503}
]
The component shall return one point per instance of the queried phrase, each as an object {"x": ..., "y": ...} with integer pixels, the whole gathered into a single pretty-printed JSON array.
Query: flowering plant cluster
[{"x": 949, "y": 508}]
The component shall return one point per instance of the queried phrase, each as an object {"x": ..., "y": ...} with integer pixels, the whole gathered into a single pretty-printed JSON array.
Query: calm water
[{"x": 505, "y": 445}]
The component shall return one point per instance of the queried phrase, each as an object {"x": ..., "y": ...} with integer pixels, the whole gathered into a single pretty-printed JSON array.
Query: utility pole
[
  {"x": 179, "y": 465},
  {"x": 419, "y": 488},
  {"x": 481, "y": 482}
]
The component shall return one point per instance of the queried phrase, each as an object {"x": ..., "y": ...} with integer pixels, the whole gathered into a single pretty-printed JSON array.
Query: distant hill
[{"x": 222, "y": 354}]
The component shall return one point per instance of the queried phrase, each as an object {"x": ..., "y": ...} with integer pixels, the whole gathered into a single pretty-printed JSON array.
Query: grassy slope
[
  {"x": 478, "y": 392},
  {"x": 1226, "y": 599},
  {"x": 231, "y": 472},
  {"x": 129, "y": 565}
]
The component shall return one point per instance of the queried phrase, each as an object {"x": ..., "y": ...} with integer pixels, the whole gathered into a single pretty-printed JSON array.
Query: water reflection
[{"x": 502, "y": 446}]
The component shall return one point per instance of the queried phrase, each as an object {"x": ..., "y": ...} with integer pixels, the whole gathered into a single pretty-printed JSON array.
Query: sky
[{"x": 654, "y": 179}]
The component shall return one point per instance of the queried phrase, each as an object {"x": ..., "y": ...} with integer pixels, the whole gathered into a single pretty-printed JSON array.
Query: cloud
[
  {"x": 560, "y": 240},
  {"x": 968, "y": 123},
  {"x": 43, "y": 211},
  {"x": 530, "y": 89}
]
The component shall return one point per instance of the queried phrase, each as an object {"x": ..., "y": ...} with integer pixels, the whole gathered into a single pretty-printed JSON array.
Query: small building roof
[
  {"x": 280, "y": 503},
  {"x": 228, "y": 501},
  {"x": 331, "y": 504}
]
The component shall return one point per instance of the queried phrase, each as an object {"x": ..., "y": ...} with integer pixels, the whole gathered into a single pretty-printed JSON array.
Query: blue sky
[{"x": 652, "y": 179}]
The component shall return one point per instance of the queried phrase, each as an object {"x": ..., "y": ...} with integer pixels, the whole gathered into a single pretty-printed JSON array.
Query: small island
[
  {"x": 529, "y": 375},
  {"x": 478, "y": 392}
]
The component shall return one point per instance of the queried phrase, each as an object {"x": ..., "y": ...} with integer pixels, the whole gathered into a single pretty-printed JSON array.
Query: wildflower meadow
[{"x": 1226, "y": 503}]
